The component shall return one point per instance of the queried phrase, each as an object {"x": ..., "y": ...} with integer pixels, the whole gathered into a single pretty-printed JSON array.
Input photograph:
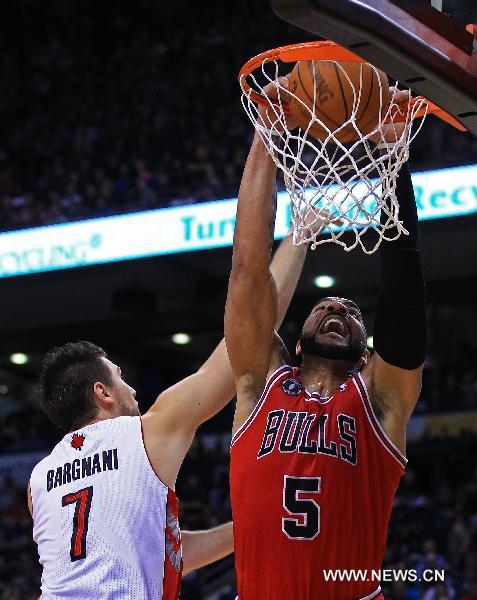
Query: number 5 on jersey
[
  {"x": 304, "y": 521},
  {"x": 82, "y": 499}
]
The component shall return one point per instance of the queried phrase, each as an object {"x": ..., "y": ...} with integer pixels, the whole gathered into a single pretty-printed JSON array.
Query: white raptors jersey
[{"x": 105, "y": 525}]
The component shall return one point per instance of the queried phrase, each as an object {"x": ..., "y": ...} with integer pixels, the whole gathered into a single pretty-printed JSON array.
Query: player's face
[
  {"x": 334, "y": 329},
  {"x": 123, "y": 394}
]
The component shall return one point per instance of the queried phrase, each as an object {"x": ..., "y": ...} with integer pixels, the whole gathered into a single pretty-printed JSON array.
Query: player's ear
[
  {"x": 101, "y": 393},
  {"x": 298, "y": 348}
]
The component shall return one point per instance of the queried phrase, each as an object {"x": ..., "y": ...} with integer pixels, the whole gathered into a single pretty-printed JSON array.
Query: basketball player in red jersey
[
  {"x": 317, "y": 451},
  {"x": 104, "y": 510}
]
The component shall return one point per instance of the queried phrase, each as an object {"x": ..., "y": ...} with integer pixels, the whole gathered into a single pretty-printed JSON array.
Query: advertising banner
[{"x": 439, "y": 194}]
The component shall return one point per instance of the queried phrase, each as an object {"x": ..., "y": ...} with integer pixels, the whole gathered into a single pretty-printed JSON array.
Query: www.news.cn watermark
[{"x": 385, "y": 575}]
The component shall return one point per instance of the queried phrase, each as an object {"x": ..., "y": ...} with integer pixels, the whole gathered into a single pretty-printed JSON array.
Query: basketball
[{"x": 334, "y": 101}]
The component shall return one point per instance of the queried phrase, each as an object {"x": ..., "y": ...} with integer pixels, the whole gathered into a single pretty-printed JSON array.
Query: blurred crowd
[
  {"x": 106, "y": 111},
  {"x": 124, "y": 111},
  {"x": 433, "y": 528},
  {"x": 19, "y": 568},
  {"x": 448, "y": 389}
]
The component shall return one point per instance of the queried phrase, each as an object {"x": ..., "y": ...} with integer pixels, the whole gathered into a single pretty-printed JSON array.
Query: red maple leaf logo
[{"x": 77, "y": 441}]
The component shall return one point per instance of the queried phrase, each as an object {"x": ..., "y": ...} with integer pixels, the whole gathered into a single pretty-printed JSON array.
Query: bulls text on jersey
[
  {"x": 82, "y": 467},
  {"x": 308, "y": 434}
]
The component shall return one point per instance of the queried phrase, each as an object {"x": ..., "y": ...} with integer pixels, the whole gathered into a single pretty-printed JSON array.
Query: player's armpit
[
  {"x": 393, "y": 394},
  {"x": 280, "y": 355},
  {"x": 165, "y": 444},
  {"x": 200, "y": 548},
  {"x": 249, "y": 327},
  {"x": 252, "y": 389}
]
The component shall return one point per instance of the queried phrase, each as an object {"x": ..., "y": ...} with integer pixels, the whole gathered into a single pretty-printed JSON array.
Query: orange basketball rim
[{"x": 325, "y": 51}]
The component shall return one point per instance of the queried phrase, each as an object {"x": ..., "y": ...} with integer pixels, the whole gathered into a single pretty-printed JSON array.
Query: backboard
[{"x": 411, "y": 40}]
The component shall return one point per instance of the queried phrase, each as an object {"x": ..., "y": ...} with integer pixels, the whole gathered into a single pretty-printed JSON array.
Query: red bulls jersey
[{"x": 312, "y": 482}]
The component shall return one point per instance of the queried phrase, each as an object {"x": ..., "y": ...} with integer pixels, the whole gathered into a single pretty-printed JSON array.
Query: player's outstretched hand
[{"x": 273, "y": 116}]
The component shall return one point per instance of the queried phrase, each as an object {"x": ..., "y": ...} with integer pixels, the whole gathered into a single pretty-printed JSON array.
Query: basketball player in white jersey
[{"x": 105, "y": 515}]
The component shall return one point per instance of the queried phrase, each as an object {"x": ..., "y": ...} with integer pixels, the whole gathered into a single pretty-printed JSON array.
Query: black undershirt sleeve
[{"x": 400, "y": 331}]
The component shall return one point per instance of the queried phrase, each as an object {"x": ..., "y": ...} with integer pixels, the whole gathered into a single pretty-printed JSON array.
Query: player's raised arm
[
  {"x": 394, "y": 374},
  {"x": 204, "y": 393},
  {"x": 170, "y": 424},
  {"x": 251, "y": 309}
]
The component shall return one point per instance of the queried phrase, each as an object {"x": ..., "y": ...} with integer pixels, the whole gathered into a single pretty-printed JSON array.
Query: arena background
[{"x": 114, "y": 107}]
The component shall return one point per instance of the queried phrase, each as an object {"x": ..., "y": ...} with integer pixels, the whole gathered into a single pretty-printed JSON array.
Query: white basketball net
[{"x": 331, "y": 185}]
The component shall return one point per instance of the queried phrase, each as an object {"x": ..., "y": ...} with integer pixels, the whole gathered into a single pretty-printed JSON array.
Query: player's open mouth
[{"x": 334, "y": 325}]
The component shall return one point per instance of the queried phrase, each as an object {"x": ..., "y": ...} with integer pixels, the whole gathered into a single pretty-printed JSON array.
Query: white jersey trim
[
  {"x": 376, "y": 426},
  {"x": 274, "y": 377},
  {"x": 315, "y": 397},
  {"x": 373, "y": 595}
]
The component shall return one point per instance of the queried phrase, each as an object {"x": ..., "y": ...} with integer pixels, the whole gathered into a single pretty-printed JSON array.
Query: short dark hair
[{"x": 67, "y": 376}]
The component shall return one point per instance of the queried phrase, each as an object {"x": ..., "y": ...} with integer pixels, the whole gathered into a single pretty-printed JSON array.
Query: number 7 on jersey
[{"x": 82, "y": 499}]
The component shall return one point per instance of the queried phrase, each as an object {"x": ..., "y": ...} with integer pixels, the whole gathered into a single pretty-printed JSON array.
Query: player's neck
[
  {"x": 102, "y": 415},
  {"x": 324, "y": 375},
  {"x": 97, "y": 419}
]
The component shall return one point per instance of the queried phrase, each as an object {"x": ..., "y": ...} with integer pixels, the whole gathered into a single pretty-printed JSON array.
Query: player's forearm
[
  {"x": 255, "y": 223},
  {"x": 200, "y": 548},
  {"x": 400, "y": 326},
  {"x": 286, "y": 268},
  {"x": 251, "y": 308}
]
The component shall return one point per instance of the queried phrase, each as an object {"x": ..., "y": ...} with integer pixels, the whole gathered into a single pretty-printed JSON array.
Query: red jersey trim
[
  {"x": 173, "y": 563},
  {"x": 376, "y": 425},
  {"x": 274, "y": 377}
]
